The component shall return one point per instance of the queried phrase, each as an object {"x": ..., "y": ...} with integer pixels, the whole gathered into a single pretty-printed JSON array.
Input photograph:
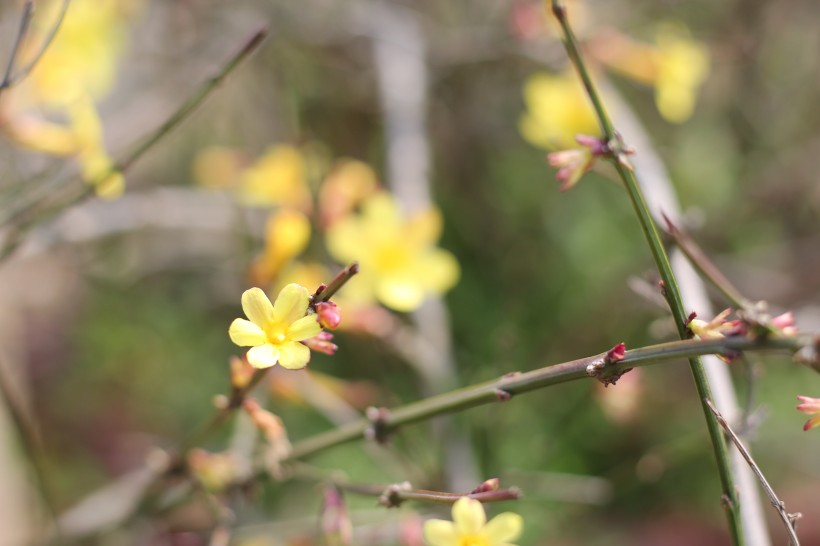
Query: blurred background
[{"x": 422, "y": 126}]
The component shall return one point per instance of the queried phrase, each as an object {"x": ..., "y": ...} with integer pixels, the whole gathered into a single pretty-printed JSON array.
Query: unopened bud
[
  {"x": 328, "y": 314},
  {"x": 321, "y": 343}
]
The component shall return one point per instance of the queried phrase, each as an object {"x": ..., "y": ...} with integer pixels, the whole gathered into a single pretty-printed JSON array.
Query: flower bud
[{"x": 329, "y": 315}]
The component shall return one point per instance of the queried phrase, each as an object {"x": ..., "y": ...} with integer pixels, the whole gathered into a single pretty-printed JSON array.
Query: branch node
[
  {"x": 502, "y": 395},
  {"x": 605, "y": 369},
  {"x": 391, "y": 497},
  {"x": 378, "y": 430}
]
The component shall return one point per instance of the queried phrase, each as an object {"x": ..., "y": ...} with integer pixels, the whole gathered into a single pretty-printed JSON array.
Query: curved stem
[{"x": 731, "y": 500}]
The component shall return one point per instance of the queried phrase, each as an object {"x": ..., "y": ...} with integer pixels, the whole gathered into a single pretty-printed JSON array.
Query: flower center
[
  {"x": 390, "y": 257},
  {"x": 472, "y": 540},
  {"x": 277, "y": 333}
]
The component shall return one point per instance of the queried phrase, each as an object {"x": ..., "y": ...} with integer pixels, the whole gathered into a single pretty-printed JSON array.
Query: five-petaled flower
[
  {"x": 810, "y": 406},
  {"x": 470, "y": 528},
  {"x": 274, "y": 331}
]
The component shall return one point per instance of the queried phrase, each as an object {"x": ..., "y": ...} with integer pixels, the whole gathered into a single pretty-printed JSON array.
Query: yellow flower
[
  {"x": 83, "y": 56},
  {"x": 557, "y": 110},
  {"x": 676, "y": 65},
  {"x": 277, "y": 178},
  {"x": 286, "y": 235},
  {"x": 274, "y": 331},
  {"x": 97, "y": 166},
  {"x": 400, "y": 263},
  {"x": 470, "y": 528}
]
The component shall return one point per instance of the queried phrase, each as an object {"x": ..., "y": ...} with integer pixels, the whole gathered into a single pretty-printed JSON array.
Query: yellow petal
[
  {"x": 424, "y": 228},
  {"x": 344, "y": 239},
  {"x": 246, "y": 334},
  {"x": 400, "y": 293},
  {"x": 287, "y": 235},
  {"x": 504, "y": 527},
  {"x": 291, "y": 304},
  {"x": 293, "y": 355},
  {"x": 257, "y": 307},
  {"x": 469, "y": 516},
  {"x": 439, "y": 270},
  {"x": 438, "y": 532},
  {"x": 263, "y": 356},
  {"x": 304, "y": 328}
]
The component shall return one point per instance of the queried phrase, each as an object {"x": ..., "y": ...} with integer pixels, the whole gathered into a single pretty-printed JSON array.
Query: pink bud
[
  {"x": 616, "y": 354},
  {"x": 329, "y": 315},
  {"x": 321, "y": 343}
]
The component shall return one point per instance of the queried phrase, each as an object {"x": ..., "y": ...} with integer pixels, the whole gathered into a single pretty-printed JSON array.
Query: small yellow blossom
[
  {"x": 347, "y": 185},
  {"x": 676, "y": 65},
  {"x": 277, "y": 178},
  {"x": 470, "y": 528},
  {"x": 810, "y": 406},
  {"x": 83, "y": 57},
  {"x": 557, "y": 111},
  {"x": 716, "y": 328},
  {"x": 274, "y": 331},
  {"x": 400, "y": 264},
  {"x": 217, "y": 167},
  {"x": 287, "y": 234}
]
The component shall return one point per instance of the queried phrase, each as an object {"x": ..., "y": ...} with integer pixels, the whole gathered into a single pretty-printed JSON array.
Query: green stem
[
  {"x": 730, "y": 494},
  {"x": 503, "y": 388}
]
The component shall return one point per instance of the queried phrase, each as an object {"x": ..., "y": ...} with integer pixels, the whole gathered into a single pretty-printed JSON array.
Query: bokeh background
[{"x": 114, "y": 312}]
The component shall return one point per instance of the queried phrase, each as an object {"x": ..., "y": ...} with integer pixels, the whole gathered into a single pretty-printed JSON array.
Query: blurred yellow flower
[
  {"x": 557, "y": 110},
  {"x": 98, "y": 168},
  {"x": 470, "y": 528},
  {"x": 217, "y": 167},
  {"x": 274, "y": 331},
  {"x": 277, "y": 178},
  {"x": 400, "y": 263},
  {"x": 287, "y": 234},
  {"x": 676, "y": 65},
  {"x": 683, "y": 65},
  {"x": 347, "y": 185},
  {"x": 83, "y": 56}
]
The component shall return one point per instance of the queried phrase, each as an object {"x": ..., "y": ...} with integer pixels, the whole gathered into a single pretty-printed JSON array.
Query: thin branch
[
  {"x": 705, "y": 266},
  {"x": 787, "y": 518},
  {"x": 383, "y": 422},
  {"x": 26, "y": 70},
  {"x": 25, "y": 21},
  {"x": 394, "y": 495},
  {"x": 672, "y": 292},
  {"x": 30, "y": 441}
]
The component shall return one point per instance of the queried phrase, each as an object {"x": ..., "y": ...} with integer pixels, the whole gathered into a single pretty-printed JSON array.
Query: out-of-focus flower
[
  {"x": 676, "y": 65},
  {"x": 785, "y": 323},
  {"x": 277, "y": 178},
  {"x": 217, "y": 167},
  {"x": 241, "y": 372},
  {"x": 347, "y": 185},
  {"x": 470, "y": 527},
  {"x": 274, "y": 331},
  {"x": 97, "y": 167},
  {"x": 716, "y": 328},
  {"x": 78, "y": 67},
  {"x": 557, "y": 111},
  {"x": 336, "y": 524},
  {"x": 400, "y": 263},
  {"x": 274, "y": 432},
  {"x": 215, "y": 471},
  {"x": 623, "y": 403},
  {"x": 810, "y": 406},
  {"x": 82, "y": 58},
  {"x": 286, "y": 235}
]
